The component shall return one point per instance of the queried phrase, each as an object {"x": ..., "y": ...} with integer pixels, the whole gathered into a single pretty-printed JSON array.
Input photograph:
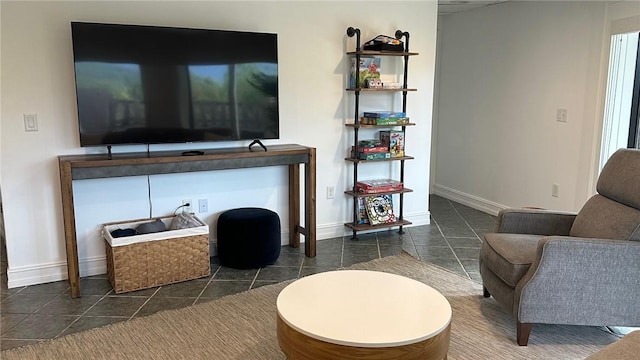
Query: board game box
[
  {"x": 378, "y": 186},
  {"x": 371, "y": 153},
  {"x": 376, "y": 149},
  {"x": 394, "y": 140},
  {"x": 369, "y": 68},
  {"x": 369, "y": 143},
  {"x": 380, "y": 209},
  {"x": 384, "y": 114},
  {"x": 371, "y": 146},
  {"x": 384, "y": 121},
  {"x": 374, "y": 156}
]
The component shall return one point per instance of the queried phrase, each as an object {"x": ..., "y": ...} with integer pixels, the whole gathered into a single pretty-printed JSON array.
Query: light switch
[
  {"x": 561, "y": 115},
  {"x": 30, "y": 122}
]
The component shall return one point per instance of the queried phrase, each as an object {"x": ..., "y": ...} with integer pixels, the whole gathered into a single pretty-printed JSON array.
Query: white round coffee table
[{"x": 359, "y": 314}]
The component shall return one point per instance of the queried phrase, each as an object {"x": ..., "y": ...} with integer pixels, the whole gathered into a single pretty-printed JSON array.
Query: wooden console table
[{"x": 80, "y": 167}]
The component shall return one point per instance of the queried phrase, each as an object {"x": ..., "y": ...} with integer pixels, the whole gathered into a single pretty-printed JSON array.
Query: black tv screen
[{"x": 149, "y": 85}]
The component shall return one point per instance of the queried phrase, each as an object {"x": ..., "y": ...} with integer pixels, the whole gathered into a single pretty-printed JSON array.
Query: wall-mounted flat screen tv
[{"x": 150, "y": 85}]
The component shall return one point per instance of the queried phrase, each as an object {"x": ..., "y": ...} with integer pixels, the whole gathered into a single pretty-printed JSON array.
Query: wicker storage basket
[{"x": 144, "y": 261}]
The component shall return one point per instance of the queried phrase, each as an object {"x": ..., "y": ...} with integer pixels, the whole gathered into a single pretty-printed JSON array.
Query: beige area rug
[{"x": 243, "y": 327}]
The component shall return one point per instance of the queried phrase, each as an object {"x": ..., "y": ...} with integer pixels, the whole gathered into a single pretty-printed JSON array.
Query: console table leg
[
  {"x": 310, "y": 204},
  {"x": 294, "y": 205},
  {"x": 70, "y": 240}
]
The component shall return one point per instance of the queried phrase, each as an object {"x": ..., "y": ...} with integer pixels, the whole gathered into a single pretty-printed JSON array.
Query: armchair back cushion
[
  {"x": 606, "y": 219},
  {"x": 620, "y": 178},
  {"x": 613, "y": 213}
]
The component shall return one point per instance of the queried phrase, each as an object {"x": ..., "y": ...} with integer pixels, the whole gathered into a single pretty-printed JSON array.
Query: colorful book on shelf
[
  {"x": 362, "y": 217},
  {"x": 384, "y": 114}
]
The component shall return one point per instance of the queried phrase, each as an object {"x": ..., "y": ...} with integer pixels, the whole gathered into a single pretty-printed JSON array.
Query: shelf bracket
[
  {"x": 354, "y": 31},
  {"x": 399, "y": 34}
]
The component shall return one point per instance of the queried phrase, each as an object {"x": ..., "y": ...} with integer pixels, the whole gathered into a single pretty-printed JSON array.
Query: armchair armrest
[
  {"x": 535, "y": 222},
  {"x": 581, "y": 281}
]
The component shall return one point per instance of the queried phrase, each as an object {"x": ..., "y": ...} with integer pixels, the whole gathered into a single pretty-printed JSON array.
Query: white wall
[
  {"x": 37, "y": 77},
  {"x": 504, "y": 72}
]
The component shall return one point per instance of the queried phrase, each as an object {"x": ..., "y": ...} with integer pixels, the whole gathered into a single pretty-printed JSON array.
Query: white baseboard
[
  {"x": 475, "y": 202},
  {"x": 418, "y": 219},
  {"x": 44, "y": 273}
]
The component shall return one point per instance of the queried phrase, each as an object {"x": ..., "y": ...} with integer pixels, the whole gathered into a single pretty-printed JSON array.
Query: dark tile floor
[{"x": 40, "y": 312}]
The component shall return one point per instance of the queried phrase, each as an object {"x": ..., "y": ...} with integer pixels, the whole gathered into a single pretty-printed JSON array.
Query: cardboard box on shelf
[
  {"x": 394, "y": 140},
  {"x": 369, "y": 68}
]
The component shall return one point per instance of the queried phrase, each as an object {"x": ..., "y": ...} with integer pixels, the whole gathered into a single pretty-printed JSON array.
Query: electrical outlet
[
  {"x": 330, "y": 192},
  {"x": 203, "y": 205},
  {"x": 555, "y": 190},
  {"x": 187, "y": 208}
]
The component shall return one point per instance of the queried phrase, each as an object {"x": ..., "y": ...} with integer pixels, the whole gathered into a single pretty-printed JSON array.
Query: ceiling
[{"x": 451, "y": 6}]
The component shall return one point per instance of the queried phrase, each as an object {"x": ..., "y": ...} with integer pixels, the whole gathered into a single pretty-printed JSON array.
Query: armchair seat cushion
[{"x": 509, "y": 256}]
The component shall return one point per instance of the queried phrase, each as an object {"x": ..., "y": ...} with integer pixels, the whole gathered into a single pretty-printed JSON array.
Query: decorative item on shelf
[
  {"x": 378, "y": 186},
  {"x": 375, "y": 83},
  {"x": 394, "y": 141},
  {"x": 391, "y": 85},
  {"x": 384, "y": 43},
  {"x": 380, "y": 209},
  {"x": 369, "y": 68}
]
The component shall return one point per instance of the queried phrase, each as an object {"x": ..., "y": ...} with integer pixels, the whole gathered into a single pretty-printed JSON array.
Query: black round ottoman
[{"x": 248, "y": 238}]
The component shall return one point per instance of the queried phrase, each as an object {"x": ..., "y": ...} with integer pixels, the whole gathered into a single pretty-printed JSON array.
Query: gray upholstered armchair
[{"x": 563, "y": 268}]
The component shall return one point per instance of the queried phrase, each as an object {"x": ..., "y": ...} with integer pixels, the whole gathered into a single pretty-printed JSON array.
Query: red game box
[{"x": 378, "y": 186}]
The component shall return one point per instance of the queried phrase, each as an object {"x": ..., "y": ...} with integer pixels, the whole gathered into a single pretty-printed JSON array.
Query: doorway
[{"x": 621, "y": 128}]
